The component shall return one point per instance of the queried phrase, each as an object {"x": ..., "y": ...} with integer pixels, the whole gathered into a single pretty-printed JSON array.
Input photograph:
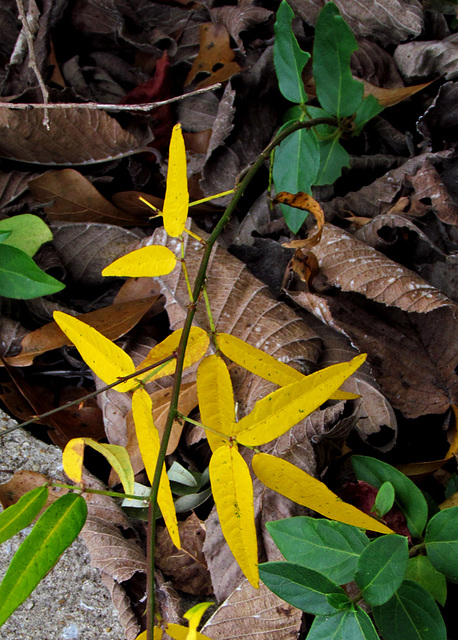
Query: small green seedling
[
  {"x": 20, "y": 238},
  {"x": 315, "y": 157},
  {"x": 333, "y": 568}
]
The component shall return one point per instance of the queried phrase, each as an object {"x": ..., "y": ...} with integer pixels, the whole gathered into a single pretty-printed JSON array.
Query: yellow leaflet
[
  {"x": 157, "y": 634},
  {"x": 146, "y": 262},
  {"x": 178, "y": 632},
  {"x": 176, "y": 202},
  {"x": 216, "y": 399},
  {"x": 265, "y": 366},
  {"x": 149, "y": 445},
  {"x": 105, "y": 358},
  {"x": 72, "y": 459},
  {"x": 197, "y": 346},
  {"x": 194, "y": 616},
  {"x": 233, "y": 494},
  {"x": 284, "y": 478},
  {"x": 279, "y": 411}
]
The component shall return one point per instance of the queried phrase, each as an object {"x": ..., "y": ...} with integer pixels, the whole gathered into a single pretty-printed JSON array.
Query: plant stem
[
  {"x": 102, "y": 492},
  {"x": 198, "y": 285}
]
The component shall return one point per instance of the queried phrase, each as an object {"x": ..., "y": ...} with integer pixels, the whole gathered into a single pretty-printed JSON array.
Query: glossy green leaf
[
  {"x": 441, "y": 541},
  {"x": 368, "y": 109},
  {"x": 289, "y": 59},
  {"x": 331, "y": 548},
  {"x": 296, "y": 164},
  {"x": 337, "y": 91},
  {"x": 384, "y": 499},
  {"x": 422, "y": 571},
  {"x": 408, "y": 497},
  {"x": 410, "y": 614},
  {"x": 353, "y": 624},
  {"x": 21, "y": 278},
  {"x": 27, "y": 232},
  {"x": 381, "y": 568},
  {"x": 55, "y": 530},
  {"x": 301, "y": 587},
  {"x": 333, "y": 157},
  {"x": 20, "y": 515}
]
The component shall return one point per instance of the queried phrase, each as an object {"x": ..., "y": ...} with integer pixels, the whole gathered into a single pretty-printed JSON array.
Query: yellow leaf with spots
[
  {"x": 146, "y": 262},
  {"x": 233, "y": 494},
  {"x": 216, "y": 399},
  {"x": 264, "y": 365},
  {"x": 297, "y": 485},
  {"x": 149, "y": 445},
  {"x": 72, "y": 460},
  {"x": 176, "y": 202},
  {"x": 198, "y": 342},
  {"x": 279, "y": 411},
  {"x": 105, "y": 358}
]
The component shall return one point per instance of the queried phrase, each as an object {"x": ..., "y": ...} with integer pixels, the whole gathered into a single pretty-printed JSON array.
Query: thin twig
[
  {"x": 33, "y": 61},
  {"x": 149, "y": 106}
]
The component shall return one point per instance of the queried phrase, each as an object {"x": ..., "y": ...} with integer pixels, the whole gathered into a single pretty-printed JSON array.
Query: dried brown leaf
[
  {"x": 431, "y": 195},
  {"x": 375, "y": 65},
  {"x": 215, "y": 59},
  {"x": 12, "y": 185},
  {"x": 76, "y": 136},
  {"x": 254, "y": 614},
  {"x": 113, "y": 321},
  {"x": 353, "y": 266},
  {"x": 24, "y": 481},
  {"x": 187, "y": 567},
  {"x": 74, "y": 199},
  {"x": 122, "y": 604},
  {"x": 440, "y": 120},
  {"x": 390, "y": 97},
  {"x": 385, "y": 21},
  {"x": 240, "y": 18},
  {"x": 87, "y": 248},
  {"x": 418, "y": 60}
]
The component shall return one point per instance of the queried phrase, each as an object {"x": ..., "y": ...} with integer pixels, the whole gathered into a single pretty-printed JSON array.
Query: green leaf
[
  {"x": 381, "y": 568},
  {"x": 305, "y": 589},
  {"x": 289, "y": 59},
  {"x": 20, "y": 277},
  {"x": 28, "y": 232},
  {"x": 384, "y": 499},
  {"x": 178, "y": 474},
  {"x": 331, "y": 548},
  {"x": 441, "y": 541},
  {"x": 190, "y": 502},
  {"x": 368, "y": 109},
  {"x": 4, "y": 235},
  {"x": 333, "y": 157},
  {"x": 296, "y": 164},
  {"x": 337, "y": 91},
  {"x": 411, "y": 614},
  {"x": 21, "y": 514},
  {"x": 354, "y": 624},
  {"x": 53, "y": 533},
  {"x": 408, "y": 497},
  {"x": 422, "y": 571}
]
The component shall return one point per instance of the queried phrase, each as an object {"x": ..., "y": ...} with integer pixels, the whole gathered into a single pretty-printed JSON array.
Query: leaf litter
[{"x": 384, "y": 281}]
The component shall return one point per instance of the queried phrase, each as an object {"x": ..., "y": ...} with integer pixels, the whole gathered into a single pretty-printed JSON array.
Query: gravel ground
[{"x": 71, "y": 602}]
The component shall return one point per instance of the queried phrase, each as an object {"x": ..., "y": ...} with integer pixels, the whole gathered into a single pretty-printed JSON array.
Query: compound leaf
[
  {"x": 233, "y": 493},
  {"x": 55, "y": 530},
  {"x": 297, "y": 485}
]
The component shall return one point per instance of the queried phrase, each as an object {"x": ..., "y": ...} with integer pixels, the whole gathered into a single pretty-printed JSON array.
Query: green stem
[
  {"x": 198, "y": 285},
  {"x": 102, "y": 492}
]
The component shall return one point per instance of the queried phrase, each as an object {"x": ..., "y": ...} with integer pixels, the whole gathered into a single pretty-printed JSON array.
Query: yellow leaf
[
  {"x": 265, "y": 366},
  {"x": 216, "y": 399},
  {"x": 157, "y": 634},
  {"x": 279, "y": 411},
  {"x": 146, "y": 262},
  {"x": 105, "y": 358},
  {"x": 297, "y": 485},
  {"x": 176, "y": 202},
  {"x": 233, "y": 494},
  {"x": 179, "y": 632},
  {"x": 194, "y": 616},
  {"x": 72, "y": 459},
  {"x": 149, "y": 445},
  {"x": 198, "y": 342}
]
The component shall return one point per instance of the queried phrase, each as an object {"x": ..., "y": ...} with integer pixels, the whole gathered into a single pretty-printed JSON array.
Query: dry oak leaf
[
  {"x": 75, "y": 137},
  {"x": 73, "y": 198},
  {"x": 353, "y": 266}
]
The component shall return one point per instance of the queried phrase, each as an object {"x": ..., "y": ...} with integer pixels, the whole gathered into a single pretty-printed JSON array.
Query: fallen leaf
[
  {"x": 75, "y": 137},
  {"x": 215, "y": 59},
  {"x": 432, "y": 195},
  {"x": 74, "y": 199},
  {"x": 240, "y": 18},
  {"x": 434, "y": 58},
  {"x": 24, "y": 481},
  {"x": 390, "y": 97},
  {"x": 304, "y": 202},
  {"x": 13, "y": 184}
]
